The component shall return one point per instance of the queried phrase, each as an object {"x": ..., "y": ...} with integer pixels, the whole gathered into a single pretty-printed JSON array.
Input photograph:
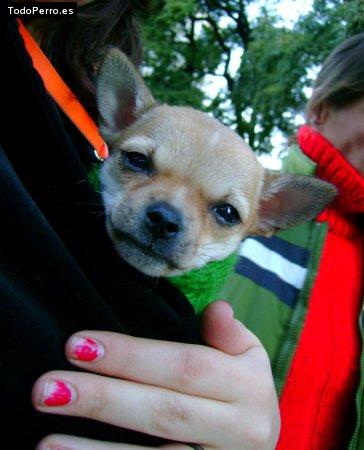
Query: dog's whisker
[
  {"x": 97, "y": 213},
  {"x": 115, "y": 196},
  {"x": 198, "y": 253},
  {"x": 98, "y": 191},
  {"x": 155, "y": 284},
  {"x": 211, "y": 243},
  {"x": 119, "y": 201},
  {"x": 202, "y": 253},
  {"x": 89, "y": 204},
  {"x": 202, "y": 259}
]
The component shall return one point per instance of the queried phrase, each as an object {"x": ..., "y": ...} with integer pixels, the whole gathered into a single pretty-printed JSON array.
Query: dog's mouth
[{"x": 143, "y": 248}]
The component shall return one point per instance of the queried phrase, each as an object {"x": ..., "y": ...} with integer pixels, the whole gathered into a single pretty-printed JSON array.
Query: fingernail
[
  {"x": 57, "y": 393},
  {"x": 86, "y": 349}
]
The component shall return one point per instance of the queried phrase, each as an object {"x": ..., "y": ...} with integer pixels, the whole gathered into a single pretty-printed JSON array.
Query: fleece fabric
[{"x": 59, "y": 272}]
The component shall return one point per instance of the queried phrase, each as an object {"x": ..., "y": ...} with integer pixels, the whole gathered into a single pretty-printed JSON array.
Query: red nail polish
[
  {"x": 86, "y": 349},
  {"x": 57, "y": 393}
]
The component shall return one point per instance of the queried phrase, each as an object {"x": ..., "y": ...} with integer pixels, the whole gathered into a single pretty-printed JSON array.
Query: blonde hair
[{"x": 341, "y": 78}]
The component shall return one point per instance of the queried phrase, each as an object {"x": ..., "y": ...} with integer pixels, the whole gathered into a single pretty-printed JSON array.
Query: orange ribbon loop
[{"x": 62, "y": 95}]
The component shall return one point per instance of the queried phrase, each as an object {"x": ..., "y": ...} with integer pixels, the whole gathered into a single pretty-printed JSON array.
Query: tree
[{"x": 186, "y": 41}]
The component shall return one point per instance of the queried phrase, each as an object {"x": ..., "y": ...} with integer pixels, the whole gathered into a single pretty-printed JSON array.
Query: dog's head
[{"x": 180, "y": 189}]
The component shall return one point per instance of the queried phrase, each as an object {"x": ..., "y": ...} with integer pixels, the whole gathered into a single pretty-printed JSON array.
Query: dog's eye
[
  {"x": 226, "y": 214},
  {"x": 137, "y": 162}
]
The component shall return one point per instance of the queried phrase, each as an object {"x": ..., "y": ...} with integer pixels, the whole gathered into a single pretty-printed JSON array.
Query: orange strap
[{"x": 62, "y": 95}]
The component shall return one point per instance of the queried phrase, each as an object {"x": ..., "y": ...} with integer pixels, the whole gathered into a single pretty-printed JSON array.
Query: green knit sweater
[{"x": 202, "y": 286}]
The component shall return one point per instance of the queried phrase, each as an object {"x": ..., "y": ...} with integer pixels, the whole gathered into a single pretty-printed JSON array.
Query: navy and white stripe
[{"x": 275, "y": 264}]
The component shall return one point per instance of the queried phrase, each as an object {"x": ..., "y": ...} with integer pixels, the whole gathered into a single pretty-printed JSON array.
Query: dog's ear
[
  {"x": 288, "y": 200},
  {"x": 122, "y": 95}
]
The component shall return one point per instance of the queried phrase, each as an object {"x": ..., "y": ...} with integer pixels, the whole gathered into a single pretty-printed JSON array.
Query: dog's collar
[{"x": 62, "y": 95}]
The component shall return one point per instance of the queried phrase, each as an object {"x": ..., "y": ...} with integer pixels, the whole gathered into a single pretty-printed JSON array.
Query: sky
[{"x": 289, "y": 11}]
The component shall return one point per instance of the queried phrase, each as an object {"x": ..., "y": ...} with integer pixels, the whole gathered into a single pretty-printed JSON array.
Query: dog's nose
[{"x": 163, "y": 220}]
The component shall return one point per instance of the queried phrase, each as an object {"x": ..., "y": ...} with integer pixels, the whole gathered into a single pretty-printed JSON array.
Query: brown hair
[
  {"x": 341, "y": 79},
  {"x": 76, "y": 44}
]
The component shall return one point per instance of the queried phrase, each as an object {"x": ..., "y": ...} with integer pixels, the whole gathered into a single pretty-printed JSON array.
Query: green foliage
[{"x": 187, "y": 40}]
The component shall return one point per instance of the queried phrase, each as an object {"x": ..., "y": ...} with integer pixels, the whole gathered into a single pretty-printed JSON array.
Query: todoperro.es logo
[{"x": 42, "y": 9}]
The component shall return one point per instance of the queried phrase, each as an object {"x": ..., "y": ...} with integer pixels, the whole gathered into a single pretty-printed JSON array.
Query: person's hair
[
  {"x": 75, "y": 45},
  {"x": 341, "y": 78}
]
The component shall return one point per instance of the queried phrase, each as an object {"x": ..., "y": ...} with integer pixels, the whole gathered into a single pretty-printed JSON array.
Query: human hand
[{"x": 221, "y": 397}]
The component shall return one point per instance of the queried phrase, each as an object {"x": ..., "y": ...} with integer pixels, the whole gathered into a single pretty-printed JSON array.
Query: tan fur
[{"x": 197, "y": 163}]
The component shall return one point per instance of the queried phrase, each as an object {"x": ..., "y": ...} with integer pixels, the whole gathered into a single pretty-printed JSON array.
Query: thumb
[{"x": 220, "y": 330}]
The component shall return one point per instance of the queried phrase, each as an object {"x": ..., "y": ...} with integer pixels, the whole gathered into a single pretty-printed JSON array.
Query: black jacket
[{"x": 59, "y": 272}]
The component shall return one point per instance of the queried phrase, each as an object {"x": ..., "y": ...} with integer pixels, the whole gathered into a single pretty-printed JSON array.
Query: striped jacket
[
  {"x": 301, "y": 293},
  {"x": 270, "y": 286}
]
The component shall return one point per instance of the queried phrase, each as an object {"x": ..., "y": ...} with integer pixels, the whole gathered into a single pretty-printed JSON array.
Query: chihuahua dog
[{"x": 180, "y": 189}]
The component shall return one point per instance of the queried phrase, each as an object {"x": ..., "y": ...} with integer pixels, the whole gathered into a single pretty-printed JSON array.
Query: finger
[
  {"x": 143, "y": 408},
  {"x": 220, "y": 330},
  {"x": 191, "y": 369},
  {"x": 64, "y": 442}
]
